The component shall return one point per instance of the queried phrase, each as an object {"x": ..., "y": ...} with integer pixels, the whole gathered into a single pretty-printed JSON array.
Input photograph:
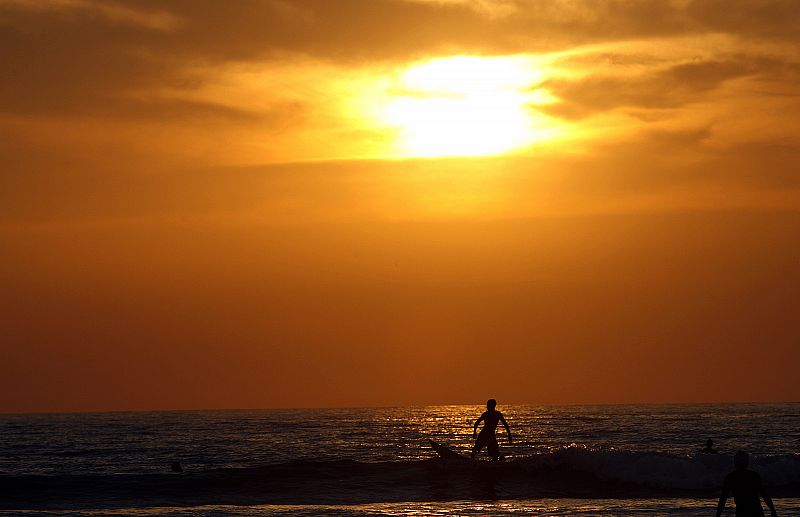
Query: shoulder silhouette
[{"x": 747, "y": 490}]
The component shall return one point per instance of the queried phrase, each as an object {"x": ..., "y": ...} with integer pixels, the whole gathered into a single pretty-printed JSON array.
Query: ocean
[{"x": 565, "y": 460}]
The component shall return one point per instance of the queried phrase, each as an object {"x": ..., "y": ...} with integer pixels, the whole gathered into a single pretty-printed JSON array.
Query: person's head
[
  {"x": 741, "y": 460},
  {"x": 709, "y": 443},
  {"x": 491, "y": 404}
]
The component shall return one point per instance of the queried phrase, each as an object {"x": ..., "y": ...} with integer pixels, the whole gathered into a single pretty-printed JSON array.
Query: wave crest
[
  {"x": 660, "y": 470},
  {"x": 570, "y": 472}
]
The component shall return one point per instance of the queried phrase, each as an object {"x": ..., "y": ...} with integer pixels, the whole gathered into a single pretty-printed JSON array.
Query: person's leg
[
  {"x": 494, "y": 448},
  {"x": 475, "y": 449}
]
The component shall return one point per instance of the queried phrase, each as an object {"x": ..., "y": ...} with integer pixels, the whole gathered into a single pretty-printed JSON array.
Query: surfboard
[{"x": 447, "y": 453}]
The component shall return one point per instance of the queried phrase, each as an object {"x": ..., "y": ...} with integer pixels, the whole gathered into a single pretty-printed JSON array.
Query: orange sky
[{"x": 375, "y": 202}]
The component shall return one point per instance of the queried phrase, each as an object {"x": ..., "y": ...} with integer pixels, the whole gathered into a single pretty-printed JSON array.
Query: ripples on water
[
  {"x": 146, "y": 441},
  {"x": 654, "y": 444}
]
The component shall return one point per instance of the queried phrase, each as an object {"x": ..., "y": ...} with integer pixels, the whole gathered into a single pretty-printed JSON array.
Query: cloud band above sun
[{"x": 182, "y": 85}]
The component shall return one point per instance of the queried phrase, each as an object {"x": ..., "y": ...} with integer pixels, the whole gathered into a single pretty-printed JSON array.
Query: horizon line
[{"x": 411, "y": 406}]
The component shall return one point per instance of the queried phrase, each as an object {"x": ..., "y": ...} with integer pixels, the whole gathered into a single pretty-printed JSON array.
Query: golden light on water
[{"x": 468, "y": 106}]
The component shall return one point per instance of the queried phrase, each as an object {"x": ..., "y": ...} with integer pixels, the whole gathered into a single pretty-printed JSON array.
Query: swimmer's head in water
[
  {"x": 741, "y": 460},
  {"x": 490, "y": 404}
]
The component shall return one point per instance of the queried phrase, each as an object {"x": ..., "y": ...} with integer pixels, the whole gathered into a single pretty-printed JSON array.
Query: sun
[{"x": 467, "y": 106}]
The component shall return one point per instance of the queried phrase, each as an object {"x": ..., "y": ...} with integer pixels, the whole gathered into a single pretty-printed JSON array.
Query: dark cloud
[
  {"x": 55, "y": 64},
  {"x": 771, "y": 19},
  {"x": 101, "y": 62},
  {"x": 180, "y": 109},
  {"x": 62, "y": 59},
  {"x": 671, "y": 87}
]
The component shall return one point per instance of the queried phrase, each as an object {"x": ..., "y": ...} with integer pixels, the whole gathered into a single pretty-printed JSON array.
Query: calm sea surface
[{"x": 565, "y": 460}]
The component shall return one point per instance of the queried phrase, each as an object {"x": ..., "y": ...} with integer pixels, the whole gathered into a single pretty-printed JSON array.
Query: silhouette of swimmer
[
  {"x": 746, "y": 488},
  {"x": 709, "y": 447},
  {"x": 487, "y": 438},
  {"x": 176, "y": 467}
]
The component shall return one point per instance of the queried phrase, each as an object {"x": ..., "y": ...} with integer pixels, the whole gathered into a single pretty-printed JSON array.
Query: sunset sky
[{"x": 245, "y": 204}]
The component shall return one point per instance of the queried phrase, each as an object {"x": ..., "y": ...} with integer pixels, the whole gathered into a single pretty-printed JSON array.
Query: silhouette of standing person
[
  {"x": 709, "y": 447},
  {"x": 746, "y": 487},
  {"x": 486, "y": 438}
]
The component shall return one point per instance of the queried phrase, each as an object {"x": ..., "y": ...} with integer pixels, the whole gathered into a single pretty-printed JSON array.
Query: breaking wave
[
  {"x": 567, "y": 472},
  {"x": 660, "y": 470}
]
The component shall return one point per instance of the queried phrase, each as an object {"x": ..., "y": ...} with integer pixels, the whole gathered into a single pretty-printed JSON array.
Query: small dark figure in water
[
  {"x": 176, "y": 466},
  {"x": 709, "y": 447},
  {"x": 746, "y": 488},
  {"x": 486, "y": 438}
]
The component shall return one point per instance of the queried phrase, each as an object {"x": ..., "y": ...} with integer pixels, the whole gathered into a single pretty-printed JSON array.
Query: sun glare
[{"x": 467, "y": 106}]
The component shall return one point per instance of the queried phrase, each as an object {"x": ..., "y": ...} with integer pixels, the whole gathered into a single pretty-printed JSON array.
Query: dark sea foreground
[{"x": 565, "y": 460}]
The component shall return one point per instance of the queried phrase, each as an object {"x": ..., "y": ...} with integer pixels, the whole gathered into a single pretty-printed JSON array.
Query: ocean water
[{"x": 565, "y": 460}]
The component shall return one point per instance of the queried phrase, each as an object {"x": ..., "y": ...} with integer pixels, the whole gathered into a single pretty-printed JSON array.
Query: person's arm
[
  {"x": 475, "y": 427},
  {"x": 768, "y": 500},
  {"x": 722, "y": 499},
  {"x": 508, "y": 431}
]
